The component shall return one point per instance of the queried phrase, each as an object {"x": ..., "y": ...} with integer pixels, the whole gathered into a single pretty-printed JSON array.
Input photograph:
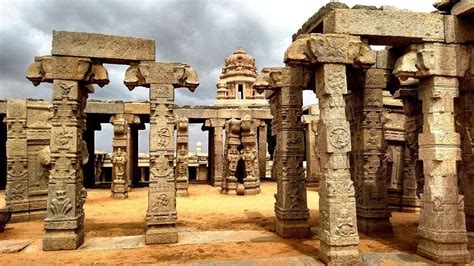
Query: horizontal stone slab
[
  {"x": 386, "y": 27},
  {"x": 108, "y": 48}
]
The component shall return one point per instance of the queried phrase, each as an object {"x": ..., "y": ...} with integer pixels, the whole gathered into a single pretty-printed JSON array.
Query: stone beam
[
  {"x": 463, "y": 8},
  {"x": 386, "y": 27},
  {"x": 107, "y": 48},
  {"x": 99, "y": 107}
]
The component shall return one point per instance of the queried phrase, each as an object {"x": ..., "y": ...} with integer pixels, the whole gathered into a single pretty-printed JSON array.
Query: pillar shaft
[
  {"x": 250, "y": 156},
  {"x": 313, "y": 167},
  {"x": 64, "y": 224},
  {"x": 216, "y": 151},
  {"x": 161, "y": 213},
  {"x": 262, "y": 149},
  {"x": 232, "y": 157},
  {"x": 442, "y": 227},
  {"x": 466, "y": 128},
  {"x": 371, "y": 192},
  {"x": 181, "y": 173},
  {"x": 338, "y": 224},
  {"x": 291, "y": 209},
  {"x": 17, "y": 161}
]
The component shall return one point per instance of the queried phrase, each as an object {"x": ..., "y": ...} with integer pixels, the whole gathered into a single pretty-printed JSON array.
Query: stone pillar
[
  {"x": 370, "y": 184},
  {"x": 250, "y": 156},
  {"x": 442, "y": 227},
  {"x": 338, "y": 225},
  {"x": 161, "y": 213},
  {"x": 64, "y": 224},
  {"x": 412, "y": 173},
  {"x": 231, "y": 157},
  {"x": 162, "y": 79},
  {"x": 16, "y": 194},
  {"x": 262, "y": 149},
  {"x": 122, "y": 154},
  {"x": 313, "y": 167},
  {"x": 330, "y": 53},
  {"x": 284, "y": 89},
  {"x": 216, "y": 150},
  {"x": 465, "y": 124},
  {"x": 181, "y": 173}
]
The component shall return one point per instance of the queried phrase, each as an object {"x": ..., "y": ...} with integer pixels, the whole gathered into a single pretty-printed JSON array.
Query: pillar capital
[
  {"x": 148, "y": 72},
  {"x": 433, "y": 59},
  {"x": 49, "y": 68},
  {"x": 317, "y": 48}
]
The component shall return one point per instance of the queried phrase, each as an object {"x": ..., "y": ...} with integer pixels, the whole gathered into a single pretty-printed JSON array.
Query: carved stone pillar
[
  {"x": 250, "y": 156},
  {"x": 17, "y": 161},
  {"x": 330, "y": 53},
  {"x": 338, "y": 225},
  {"x": 89, "y": 138},
  {"x": 122, "y": 154},
  {"x": 313, "y": 166},
  {"x": 181, "y": 173},
  {"x": 64, "y": 224},
  {"x": 284, "y": 90},
  {"x": 262, "y": 149},
  {"x": 216, "y": 150},
  {"x": 442, "y": 227},
  {"x": 231, "y": 157},
  {"x": 162, "y": 79},
  {"x": 371, "y": 192},
  {"x": 412, "y": 173}
]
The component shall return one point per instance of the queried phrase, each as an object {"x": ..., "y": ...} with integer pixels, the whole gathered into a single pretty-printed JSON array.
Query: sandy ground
[{"x": 204, "y": 209}]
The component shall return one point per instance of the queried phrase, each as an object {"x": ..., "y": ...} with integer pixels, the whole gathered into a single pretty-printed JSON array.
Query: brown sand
[{"x": 204, "y": 209}]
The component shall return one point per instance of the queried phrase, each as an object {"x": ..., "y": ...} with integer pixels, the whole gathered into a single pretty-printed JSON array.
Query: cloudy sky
[{"x": 199, "y": 32}]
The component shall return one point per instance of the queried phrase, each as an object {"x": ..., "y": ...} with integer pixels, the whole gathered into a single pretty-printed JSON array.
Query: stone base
[
  {"x": 370, "y": 226},
  {"x": 161, "y": 234},
  {"x": 19, "y": 217},
  {"x": 470, "y": 243},
  {"x": 182, "y": 193},
  {"x": 340, "y": 255},
  {"x": 119, "y": 195},
  {"x": 63, "y": 239},
  {"x": 443, "y": 252},
  {"x": 252, "y": 191},
  {"x": 292, "y": 228}
]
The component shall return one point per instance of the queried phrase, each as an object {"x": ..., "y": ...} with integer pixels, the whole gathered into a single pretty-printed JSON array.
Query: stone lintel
[
  {"x": 458, "y": 29},
  {"x": 136, "y": 108},
  {"x": 381, "y": 27},
  {"x": 95, "y": 107},
  {"x": 463, "y": 8},
  {"x": 107, "y": 48}
]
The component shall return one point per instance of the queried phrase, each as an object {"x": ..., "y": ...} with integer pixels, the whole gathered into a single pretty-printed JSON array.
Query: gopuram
[{"x": 391, "y": 133}]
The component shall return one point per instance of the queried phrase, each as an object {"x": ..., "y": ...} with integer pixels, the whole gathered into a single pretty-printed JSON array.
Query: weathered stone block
[
  {"x": 386, "y": 27},
  {"x": 109, "y": 48}
]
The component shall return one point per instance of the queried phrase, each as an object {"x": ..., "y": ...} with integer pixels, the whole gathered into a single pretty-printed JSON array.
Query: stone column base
[
  {"x": 470, "y": 244},
  {"x": 252, "y": 191},
  {"x": 370, "y": 226},
  {"x": 182, "y": 193},
  {"x": 161, "y": 234},
  {"x": 292, "y": 228},
  {"x": 119, "y": 195},
  {"x": 345, "y": 255},
  {"x": 443, "y": 252},
  {"x": 63, "y": 239}
]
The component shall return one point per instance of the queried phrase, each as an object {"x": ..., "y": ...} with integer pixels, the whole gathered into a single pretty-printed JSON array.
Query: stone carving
[
  {"x": 61, "y": 205},
  {"x": 231, "y": 157},
  {"x": 119, "y": 158},
  {"x": 339, "y": 137}
]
